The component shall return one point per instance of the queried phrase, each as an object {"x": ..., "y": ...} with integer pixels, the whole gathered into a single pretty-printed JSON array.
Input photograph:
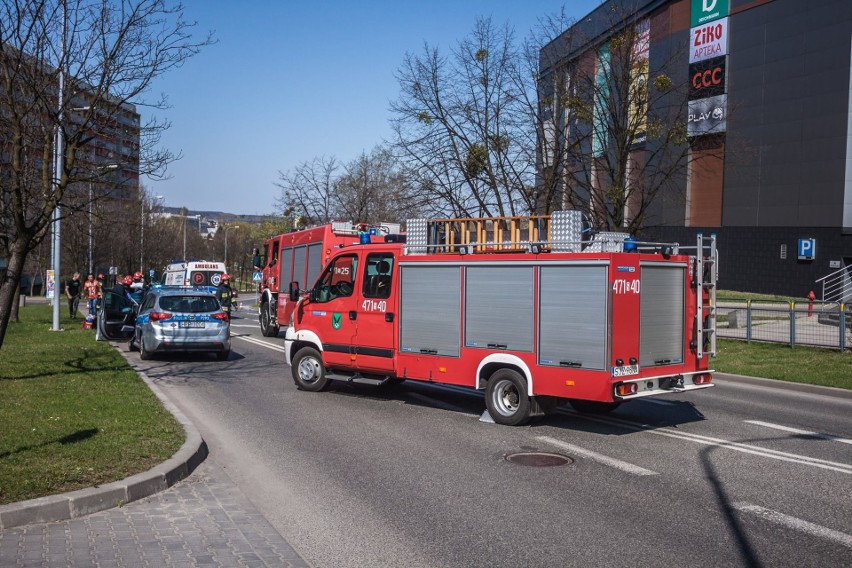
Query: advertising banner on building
[
  {"x": 707, "y": 78},
  {"x": 708, "y": 40},
  {"x": 600, "y": 122},
  {"x": 638, "y": 111},
  {"x": 707, "y": 116},
  {"x": 704, "y": 11}
]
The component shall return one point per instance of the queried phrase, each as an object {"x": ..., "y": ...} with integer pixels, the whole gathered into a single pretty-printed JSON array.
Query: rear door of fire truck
[
  {"x": 375, "y": 312},
  {"x": 331, "y": 312}
]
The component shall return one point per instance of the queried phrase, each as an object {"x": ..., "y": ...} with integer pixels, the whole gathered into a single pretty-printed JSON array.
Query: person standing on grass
[
  {"x": 93, "y": 291},
  {"x": 72, "y": 290}
]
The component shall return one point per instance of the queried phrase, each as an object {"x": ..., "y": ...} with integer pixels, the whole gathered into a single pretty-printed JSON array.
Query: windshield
[{"x": 189, "y": 304}]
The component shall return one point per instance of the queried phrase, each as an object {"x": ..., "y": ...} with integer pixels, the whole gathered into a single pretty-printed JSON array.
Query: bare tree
[
  {"x": 308, "y": 191},
  {"x": 464, "y": 124},
  {"x": 106, "y": 53},
  {"x": 375, "y": 188},
  {"x": 371, "y": 188},
  {"x": 617, "y": 142}
]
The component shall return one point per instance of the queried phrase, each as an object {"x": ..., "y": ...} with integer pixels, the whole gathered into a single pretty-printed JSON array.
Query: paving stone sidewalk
[{"x": 203, "y": 520}]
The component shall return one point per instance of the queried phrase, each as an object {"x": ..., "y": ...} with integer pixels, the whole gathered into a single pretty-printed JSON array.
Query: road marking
[
  {"x": 709, "y": 441},
  {"x": 808, "y": 433},
  {"x": 253, "y": 326},
  {"x": 259, "y": 342},
  {"x": 796, "y": 524},
  {"x": 600, "y": 458}
]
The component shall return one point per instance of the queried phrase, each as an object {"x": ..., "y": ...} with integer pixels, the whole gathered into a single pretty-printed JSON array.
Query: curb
[
  {"x": 786, "y": 385},
  {"x": 117, "y": 493}
]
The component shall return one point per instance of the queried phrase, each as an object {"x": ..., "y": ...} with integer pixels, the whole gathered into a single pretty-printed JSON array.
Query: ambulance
[{"x": 203, "y": 273}]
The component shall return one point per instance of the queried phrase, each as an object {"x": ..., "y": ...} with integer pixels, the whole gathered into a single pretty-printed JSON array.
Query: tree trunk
[
  {"x": 9, "y": 289},
  {"x": 16, "y": 304}
]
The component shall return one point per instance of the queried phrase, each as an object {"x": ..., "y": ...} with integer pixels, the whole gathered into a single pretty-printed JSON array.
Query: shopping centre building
[{"x": 767, "y": 120}]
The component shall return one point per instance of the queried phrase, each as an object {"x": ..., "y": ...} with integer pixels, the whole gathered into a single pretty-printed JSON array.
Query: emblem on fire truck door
[{"x": 336, "y": 320}]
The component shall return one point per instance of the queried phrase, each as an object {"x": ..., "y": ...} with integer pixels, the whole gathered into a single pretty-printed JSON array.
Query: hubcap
[
  {"x": 506, "y": 398},
  {"x": 309, "y": 370}
]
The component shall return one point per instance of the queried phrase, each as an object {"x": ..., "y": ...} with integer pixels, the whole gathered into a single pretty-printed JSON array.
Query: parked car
[{"x": 169, "y": 319}]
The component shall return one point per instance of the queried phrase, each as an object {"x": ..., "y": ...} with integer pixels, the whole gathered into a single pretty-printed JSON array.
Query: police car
[{"x": 170, "y": 319}]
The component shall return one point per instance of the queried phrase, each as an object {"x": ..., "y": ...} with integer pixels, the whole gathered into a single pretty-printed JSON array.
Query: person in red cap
[
  {"x": 138, "y": 283},
  {"x": 225, "y": 294}
]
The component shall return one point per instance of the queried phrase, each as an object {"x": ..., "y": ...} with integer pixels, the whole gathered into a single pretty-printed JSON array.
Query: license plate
[
  {"x": 190, "y": 324},
  {"x": 625, "y": 371}
]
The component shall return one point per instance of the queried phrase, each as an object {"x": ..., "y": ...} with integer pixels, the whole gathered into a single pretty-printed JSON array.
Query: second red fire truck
[{"x": 528, "y": 309}]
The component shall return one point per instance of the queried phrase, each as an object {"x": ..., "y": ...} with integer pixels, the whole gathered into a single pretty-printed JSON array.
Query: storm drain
[{"x": 538, "y": 459}]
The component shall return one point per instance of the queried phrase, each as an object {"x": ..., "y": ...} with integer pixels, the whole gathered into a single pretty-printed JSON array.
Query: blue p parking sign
[{"x": 807, "y": 249}]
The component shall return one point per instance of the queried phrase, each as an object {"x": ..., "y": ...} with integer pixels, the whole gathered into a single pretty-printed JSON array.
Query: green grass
[
  {"x": 73, "y": 414},
  {"x": 731, "y": 295},
  {"x": 811, "y": 365}
]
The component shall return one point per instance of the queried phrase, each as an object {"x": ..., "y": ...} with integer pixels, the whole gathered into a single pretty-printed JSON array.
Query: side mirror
[{"x": 294, "y": 291}]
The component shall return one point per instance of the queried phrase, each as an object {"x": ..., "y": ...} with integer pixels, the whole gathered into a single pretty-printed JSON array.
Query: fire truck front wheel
[
  {"x": 506, "y": 398},
  {"x": 309, "y": 371}
]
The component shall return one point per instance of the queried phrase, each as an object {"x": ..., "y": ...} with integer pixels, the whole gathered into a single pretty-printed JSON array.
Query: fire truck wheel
[
  {"x": 593, "y": 406},
  {"x": 309, "y": 371},
  {"x": 506, "y": 398},
  {"x": 266, "y": 326}
]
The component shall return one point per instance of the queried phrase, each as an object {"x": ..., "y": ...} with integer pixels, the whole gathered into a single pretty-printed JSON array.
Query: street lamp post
[
  {"x": 226, "y": 243},
  {"x": 58, "y": 166},
  {"x": 142, "y": 233}
]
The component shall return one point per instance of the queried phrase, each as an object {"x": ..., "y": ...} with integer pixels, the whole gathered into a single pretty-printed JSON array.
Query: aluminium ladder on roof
[{"x": 487, "y": 234}]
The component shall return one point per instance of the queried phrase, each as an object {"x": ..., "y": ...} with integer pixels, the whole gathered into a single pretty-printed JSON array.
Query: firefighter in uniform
[{"x": 225, "y": 294}]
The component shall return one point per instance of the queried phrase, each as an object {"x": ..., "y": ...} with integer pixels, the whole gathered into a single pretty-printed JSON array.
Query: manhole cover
[{"x": 538, "y": 459}]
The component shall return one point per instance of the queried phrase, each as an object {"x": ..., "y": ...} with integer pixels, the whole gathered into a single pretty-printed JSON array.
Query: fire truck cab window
[
  {"x": 273, "y": 257},
  {"x": 377, "y": 276},
  {"x": 337, "y": 281}
]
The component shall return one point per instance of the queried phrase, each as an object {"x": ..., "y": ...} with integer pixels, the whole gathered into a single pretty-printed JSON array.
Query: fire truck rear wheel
[
  {"x": 309, "y": 371},
  {"x": 506, "y": 398},
  {"x": 266, "y": 326},
  {"x": 593, "y": 406}
]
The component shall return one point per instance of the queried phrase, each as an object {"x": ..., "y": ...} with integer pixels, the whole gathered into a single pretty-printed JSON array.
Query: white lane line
[
  {"x": 709, "y": 441},
  {"x": 254, "y": 326},
  {"x": 796, "y": 524},
  {"x": 261, "y": 343},
  {"x": 808, "y": 433},
  {"x": 600, "y": 458}
]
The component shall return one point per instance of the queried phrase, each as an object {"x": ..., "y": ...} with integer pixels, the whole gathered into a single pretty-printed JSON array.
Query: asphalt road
[{"x": 737, "y": 475}]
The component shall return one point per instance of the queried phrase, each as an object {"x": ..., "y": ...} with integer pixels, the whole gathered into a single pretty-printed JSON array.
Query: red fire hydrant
[{"x": 811, "y": 298}]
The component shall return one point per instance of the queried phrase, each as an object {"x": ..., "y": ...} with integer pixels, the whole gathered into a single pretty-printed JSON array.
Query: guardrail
[{"x": 817, "y": 324}]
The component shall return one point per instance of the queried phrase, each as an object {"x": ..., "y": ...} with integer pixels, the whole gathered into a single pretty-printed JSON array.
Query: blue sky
[{"x": 291, "y": 80}]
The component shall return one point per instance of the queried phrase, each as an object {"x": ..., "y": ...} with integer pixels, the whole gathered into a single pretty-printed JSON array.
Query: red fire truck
[
  {"x": 299, "y": 255},
  {"x": 529, "y": 309}
]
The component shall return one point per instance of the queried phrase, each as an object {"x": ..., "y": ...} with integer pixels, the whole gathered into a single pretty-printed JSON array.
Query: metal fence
[{"x": 818, "y": 324}]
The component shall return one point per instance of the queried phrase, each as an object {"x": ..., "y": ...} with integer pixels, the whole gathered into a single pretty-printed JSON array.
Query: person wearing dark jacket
[
  {"x": 122, "y": 286},
  {"x": 73, "y": 287},
  {"x": 225, "y": 294}
]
